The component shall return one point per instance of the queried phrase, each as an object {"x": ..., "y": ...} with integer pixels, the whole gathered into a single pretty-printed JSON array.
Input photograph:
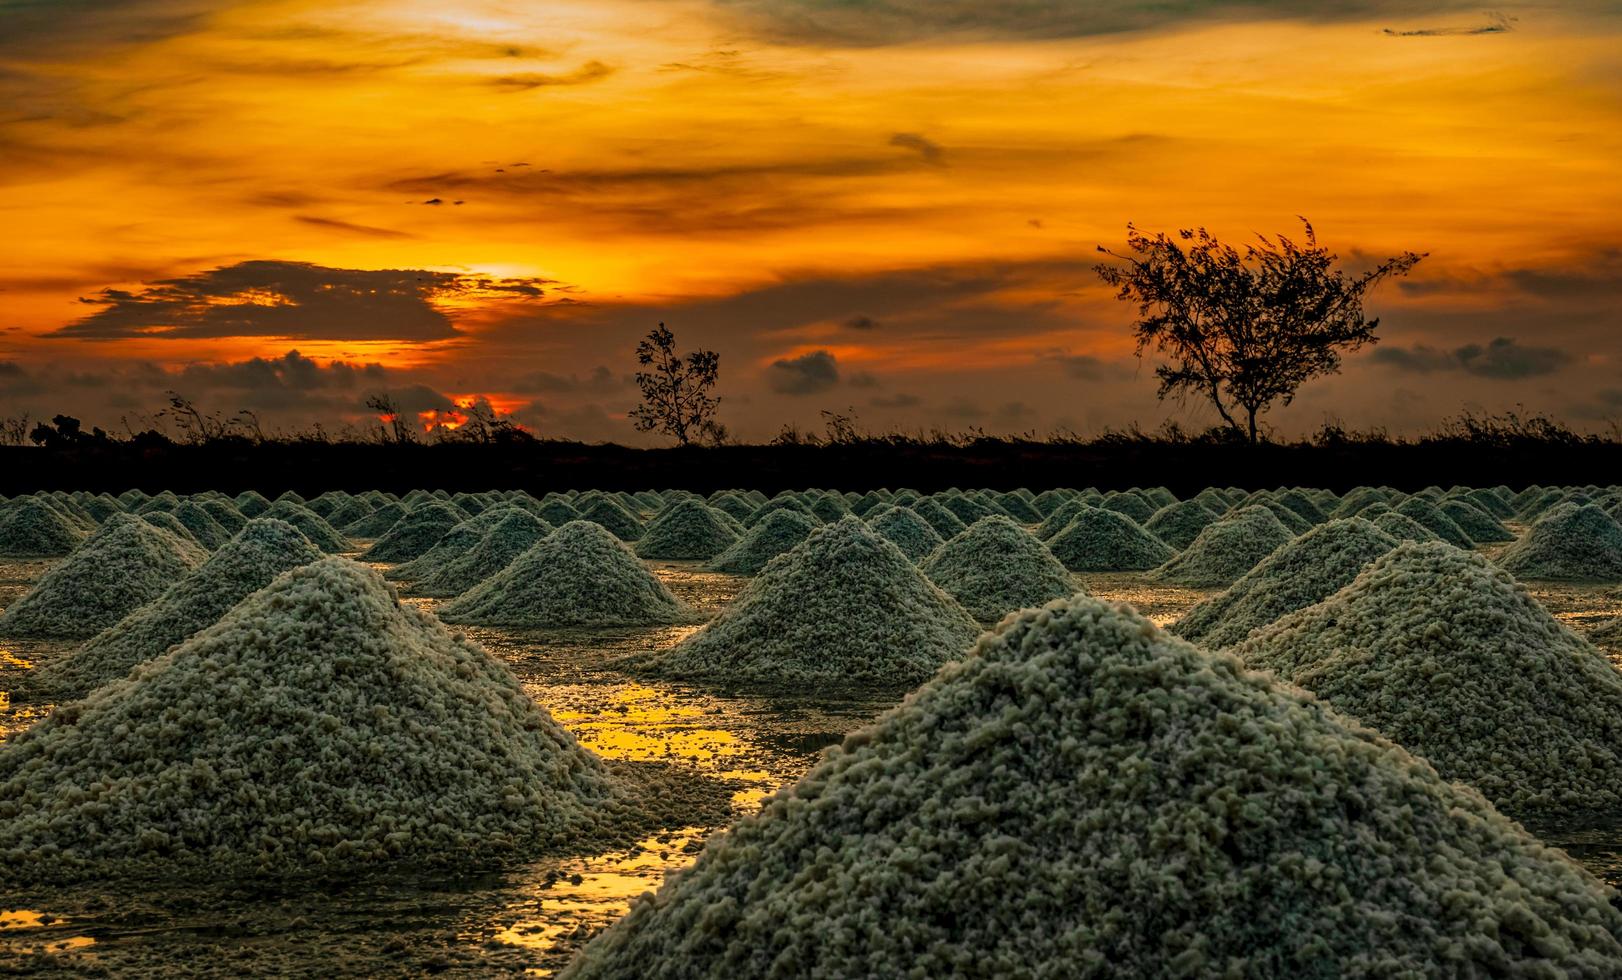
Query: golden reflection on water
[
  {"x": 9, "y": 659},
  {"x": 19, "y": 922}
]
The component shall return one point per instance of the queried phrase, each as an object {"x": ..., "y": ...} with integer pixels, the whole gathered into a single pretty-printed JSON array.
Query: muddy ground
[{"x": 528, "y": 919}]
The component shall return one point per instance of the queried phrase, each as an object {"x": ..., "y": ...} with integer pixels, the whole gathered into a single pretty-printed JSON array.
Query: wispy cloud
[
  {"x": 1502, "y": 359},
  {"x": 1498, "y": 23}
]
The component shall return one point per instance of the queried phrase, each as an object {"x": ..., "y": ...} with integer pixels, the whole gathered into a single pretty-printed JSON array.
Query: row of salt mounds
[
  {"x": 579, "y": 575},
  {"x": 201, "y": 525},
  {"x": 242, "y": 566},
  {"x": 31, "y": 528},
  {"x": 689, "y": 530},
  {"x": 1301, "y": 573},
  {"x": 945, "y": 523},
  {"x": 318, "y": 725},
  {"x": 377, "y": 523},
  {"x": 1450, "y": 657},
  {"x": 614, "y": 517},
  {"x": 1084, "y": 795},
  {"x": 996, "y": 567},
  {"x": 1180, "y": 523},
  {"x": 123, "y": 566},
  {"x": 320, "y": 533},
  {"x": 415, "y": 533},
  {"x": 1433, "y": 520},
  {"x": 453, "y": 544},
  {"x": 780, "y": 531},
  {"x": 844, "y": 605},
  {"x": 902, "y": 527},
  {"x": 1099, "y": 540},
  {"x": 1227, "y": 549},
  {"x": 516, "y": 531},
  {"x": 1480, "y": 526},
  {"x": 1399, "y": 526},
  {"x": 1569, "y": 542}
]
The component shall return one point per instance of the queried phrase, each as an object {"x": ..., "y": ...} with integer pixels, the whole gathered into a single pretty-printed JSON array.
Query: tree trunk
[{"x": 1252, "y": 413}]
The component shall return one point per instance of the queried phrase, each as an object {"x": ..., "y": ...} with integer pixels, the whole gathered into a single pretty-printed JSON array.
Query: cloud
[
  {"x": 861, "y": 322},
  {"x": 591, "y": 71},
  {"x": 898, "y": 400},
  {"x": 1084, "y": 367},
  {"x": 1497, "y": 24},
  {"x": 1502, "y": 359},
  {"x": 926, "y": 148},
  {"x": 545, "y": 382},
  {"x": 47, "y": 28},
  {"x": 869, "y": 23},
  {"x": 807, "y": 374},
  {"x": 291, "y": 372},
  {"x": 295, "y": 300},
  {"x": 366, "y": 231}
]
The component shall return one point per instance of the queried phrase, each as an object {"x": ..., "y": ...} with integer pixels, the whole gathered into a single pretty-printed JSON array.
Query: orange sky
[{"x": 763, "y": 184}]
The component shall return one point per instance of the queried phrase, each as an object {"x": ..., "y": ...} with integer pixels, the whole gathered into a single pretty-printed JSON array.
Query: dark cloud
[
  {"x": 807, "y": 374},
  {"x": 290, "y": 372},
  {"x": 963, "y": 408},
  {"x": 50, "y": 28},
  {"x": 591, "y": 71},
  {"x": 1503, "y": 359},
  {"x": 545, "y": 382},
  {"x": 1085, "y": 367},
  {"x": 898, "y": 400},
  {"x": 864, "y": 379},
  {"x": 1497, "y": 23},
  {"x": 927, "y": 149},
  {"x": 861, "y": 322},
  {"x": 866, "y": 23},
  {"x": 365, "y": 231},
  {"x": 296, "y": 300}
]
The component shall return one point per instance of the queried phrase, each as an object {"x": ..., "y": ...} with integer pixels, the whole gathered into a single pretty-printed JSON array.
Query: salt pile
[
  {"x": 1451, "y": 658},
  {"x": 165, "y": 521},
  {"x": 123, "y": 566},
  {"x": 1478, "y": 525},
  {"x": 1061, "y": 518},
  {"x": 557, "y": 511},
  {"x": 779, "y": 532},
  {"x": 732, "y": 505},
  {"x": 945, "y": 523},
  {"x": 412, "y": 535},
  {"x": 1491, "y": 502},
  {"x": 829, "y": 507},
  {"x": 1569, "y": 542},
  {"x": 613, "y": 516},
  {"x": 996, "y": 567},
  {"x": 1357, "y": 500},
  {"x": 1305, "y": 571},
  {"x": 844, "y": 606},
  {"x": 1425, "y": 513},
  {"x": 1049, "y": 501},
  {"x": 771, "y": 507},
  {"x": 515, "y": 532},
  {"x": 224, "y": 514},
  {"x": 688, "y": 531},
  {"x": 1085, "y": 795},
  {"x": 319, "y": 726},
  {"x": 377, "y": 523},
  {"x": 455, "y": 543},
  {"x": 579, "y": 575},
  {"x": 247, "y": 563},
  {"x": 201, "y": 525},
  {"x": 251, "y": 503},
  {"x": 30, "y": 528},
  {"x": 1129, "y": 503},
  {"x": 967, "y": 507},
  {"x": 1300, "y": 504},
  {"x": 320, "y": 533},
  {"x": 349, "y": 512},
  {"x": 902, "y": 527},
  {"x": 1227, "y": 549},
  {"x": 1399, "y": 526},
  {"x": 1100, "y": 540},
  {"x": 1018, "y": 507},
  {"x": 1180, "y": 523}
]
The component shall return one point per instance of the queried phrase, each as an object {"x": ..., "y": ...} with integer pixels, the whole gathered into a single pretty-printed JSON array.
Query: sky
[{"x": 888, "y": 209}]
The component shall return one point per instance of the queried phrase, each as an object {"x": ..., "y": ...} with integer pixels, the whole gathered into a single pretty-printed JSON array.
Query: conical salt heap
[
  {"x": 945, "y": 523},
  {"x": 579, "y": 575},
  {"x": 251, "y": 503},
  {"x": 1299, "y": 504},
  {"x": 1084, "y": 795},
  {"x": 1305, "y": 571},
  {"x": 780, "y": 531},
  {"x": 1180, "y": 523},
  {"x": 1130, "y": 503},
  {"x": 351, "y": 511},
  {"x": 1019, "y": 507},
  {"x": 453, "y": 544},
  {"x": 1060, "y": 518},
  {"x": 1426, "y": 514},
  {"x": 1450, "y": 657},
  {"x": 1399, "y": 526},
  {"x": 412, "y": 535},
  {"x": 611, "y": 515},
  {"x": 123, "y": 566},
  {"x": 31, "y": 528},
  {"x": 1480, "y": 526},
  {"x": 1227, "y": 549},
  {"x": 201, "y": 525},
  {"x": 776, "y": 504},
  {"x": 1098, "y": 540},
  {"x": 902, "y": 527},
  {"x": 164, "y": 520},
  {"x": 1569, "y": 542},
  {"x": 557, "y": 511},
  {"x": 318, "y": 727},
  {"x": 377, "y": 523},
  {"x": 844, "y": 606},
  {"x": 996, "y": 567},
  {"x": 320, "y": 533},
  {"x": 242, "y": 566},
  {"x": 967, "y": 508},
  {"x": 515, "y": 532},
  {"x": 224, "y": 514},
  {"x": 1049, "y": 501},
  {"x": 690, "y": 530}
]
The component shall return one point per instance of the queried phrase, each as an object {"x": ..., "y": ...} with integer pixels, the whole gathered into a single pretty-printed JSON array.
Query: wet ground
[{"x": 529, "y": 919}]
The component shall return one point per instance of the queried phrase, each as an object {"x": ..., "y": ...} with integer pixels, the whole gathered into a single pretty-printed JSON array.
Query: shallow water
[{"x": 528, "y": 919}]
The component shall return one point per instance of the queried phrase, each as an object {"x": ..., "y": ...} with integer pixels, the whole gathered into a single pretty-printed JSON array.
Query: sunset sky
[{"x": 885, "y": 207}]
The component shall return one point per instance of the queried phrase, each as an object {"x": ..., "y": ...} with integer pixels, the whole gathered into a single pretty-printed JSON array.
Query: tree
[
  {"x": 1244, "y": 329},
  {"x": 676, "y": 390}
]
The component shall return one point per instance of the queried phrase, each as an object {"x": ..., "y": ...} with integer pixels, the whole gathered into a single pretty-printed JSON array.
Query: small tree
[
  {"x": 1244, "y": 330},
  {"x": 676, "y": 390}
]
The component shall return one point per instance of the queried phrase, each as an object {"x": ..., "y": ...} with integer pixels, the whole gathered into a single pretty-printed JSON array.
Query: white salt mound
[
  {"x": 778, "y": 532},
  {"x": 1480, "y": 526},
  {"x": 242, "y": 566},
  {"x": 1227, "y": 549},
  {"x": 996, "y": 567},
  {"x": 945, "y": 523},
  {"x": 1451, "y": 658},
  {"x": 579, "y": 575},
  {"x": 319, "y": 726},
  {"x": 902, "y": 527},
  {"x": 123, "y": 566},
  {"x": 1305, "y": 571},
  {"x": 31, "y": 528},
  {"x": 690, "y": 530},
  {"x": 515, "y": 532},
  {"x": 1178, "y": 524},
  {"x": 1569, "y": 542},
  {"x": 1086, "y": 796},
  {"x": 453, "y": 544},
  {"x": 1399, "y": 526},
  {"x": 201, "y": 525},
  {"x": 843, "y": 606},
  {"x": 377, "y": 523},
  {"x": 613, "y": 516},
  {"x": 1426, "y": 514},
  {"x": 416, "y": 532},
  {"x": 1098, "y": 540},
  {"x": 320, "y": 533}
]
